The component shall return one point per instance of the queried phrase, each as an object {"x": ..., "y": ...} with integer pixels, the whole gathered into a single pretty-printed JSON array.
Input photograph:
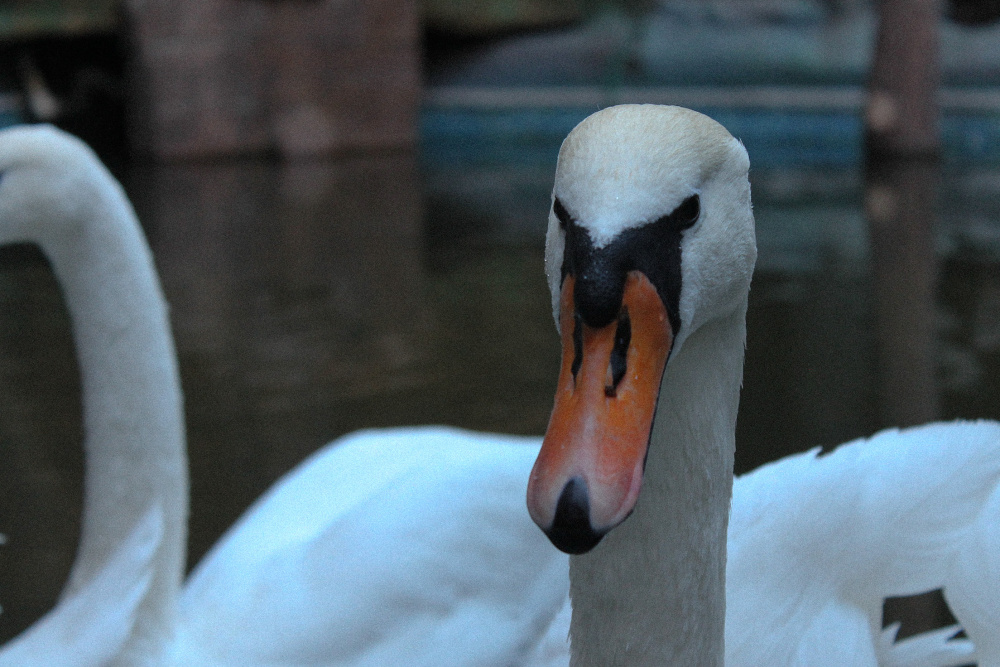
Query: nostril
[
  {"x": 618, "y": 363},
  {"x": 571, "y": 530},
  {"x": 577, "y": 343}
]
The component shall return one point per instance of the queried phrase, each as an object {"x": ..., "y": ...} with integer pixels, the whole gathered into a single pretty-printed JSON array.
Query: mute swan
[
  {"x": 386, "y": 547},
  {"x": 649, "y": 254}
]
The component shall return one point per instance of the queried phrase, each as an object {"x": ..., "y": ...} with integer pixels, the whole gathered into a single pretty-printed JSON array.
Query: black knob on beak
[{"x": 571, "y": 530}]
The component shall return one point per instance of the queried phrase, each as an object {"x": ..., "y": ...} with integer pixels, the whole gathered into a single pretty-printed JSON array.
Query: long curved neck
[
  {"x": 653, "y": 591},
  {"x": 133, "y": 419}
]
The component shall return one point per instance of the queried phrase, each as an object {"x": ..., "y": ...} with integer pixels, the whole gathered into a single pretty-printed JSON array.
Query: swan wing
[
  {"x": 406, "y": 546},
  {"x": 937, "y": 648},
  {"x": 815, "y": 535},
  {"x": 89, "y": 627},
  {"x": 973, "y": 590}
]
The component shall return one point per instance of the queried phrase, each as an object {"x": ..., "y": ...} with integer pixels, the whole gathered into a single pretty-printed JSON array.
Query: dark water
[{"x": 309, "y": 300}]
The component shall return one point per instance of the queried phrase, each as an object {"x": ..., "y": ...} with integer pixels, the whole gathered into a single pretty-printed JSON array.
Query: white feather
[{"x": 818, "y": 536}]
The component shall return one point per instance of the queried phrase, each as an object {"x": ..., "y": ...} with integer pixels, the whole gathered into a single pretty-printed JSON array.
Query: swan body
[
  {"x": 385, "y": 547},
  {"x": 423, "y": 555},
  {"x": 817, "y": 542},
  {"x": 649, "y": 255}
]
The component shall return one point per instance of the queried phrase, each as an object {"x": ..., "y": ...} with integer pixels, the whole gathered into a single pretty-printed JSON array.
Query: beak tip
[{"x": 571, "y": 530}]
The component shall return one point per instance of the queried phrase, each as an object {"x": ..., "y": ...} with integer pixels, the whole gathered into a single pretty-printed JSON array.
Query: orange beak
[{"x": 587, "y": 476}]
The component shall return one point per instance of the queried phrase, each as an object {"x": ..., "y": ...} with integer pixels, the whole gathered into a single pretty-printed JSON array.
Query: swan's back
[
  {"x": 397, "y": 546},
  {"x": 817, "y": 542}
]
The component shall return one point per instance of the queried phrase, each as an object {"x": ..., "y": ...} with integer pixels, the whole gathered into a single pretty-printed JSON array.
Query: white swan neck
[
  {"x": 653, "y": 591},
  {"x": 133, "y": 419}
]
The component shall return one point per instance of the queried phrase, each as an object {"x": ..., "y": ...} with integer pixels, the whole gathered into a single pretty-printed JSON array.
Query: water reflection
[
  {"x": 901, "y": 205},
  {"x": 312, "y": 299},
  {"x": 293, "y": 287},
  {"x": 305, "y": 306}
]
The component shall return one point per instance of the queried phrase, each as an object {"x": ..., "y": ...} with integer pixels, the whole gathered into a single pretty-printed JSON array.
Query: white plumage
[
  {"x": 399, "y": 546},
  {"x": 817, "y": 542}
]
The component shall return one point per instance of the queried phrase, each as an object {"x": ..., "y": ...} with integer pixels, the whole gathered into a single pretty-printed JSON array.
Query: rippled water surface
[{"x": 309, "y": 300}]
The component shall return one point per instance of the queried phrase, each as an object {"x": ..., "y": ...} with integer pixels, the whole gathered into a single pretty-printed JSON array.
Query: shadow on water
[{"x": 312, "y": 299}]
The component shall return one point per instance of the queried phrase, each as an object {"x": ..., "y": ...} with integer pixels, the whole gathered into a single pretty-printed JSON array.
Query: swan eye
[
  {"x": 562, "y": 214},
  {"x": 687, "y": 213}
]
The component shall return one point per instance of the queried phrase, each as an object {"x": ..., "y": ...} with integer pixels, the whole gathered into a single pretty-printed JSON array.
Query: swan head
[{"x": 650, "y": 236}]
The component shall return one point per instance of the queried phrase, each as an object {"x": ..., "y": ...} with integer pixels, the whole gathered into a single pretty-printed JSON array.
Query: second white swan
[{"x": 387, "y": 547}]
